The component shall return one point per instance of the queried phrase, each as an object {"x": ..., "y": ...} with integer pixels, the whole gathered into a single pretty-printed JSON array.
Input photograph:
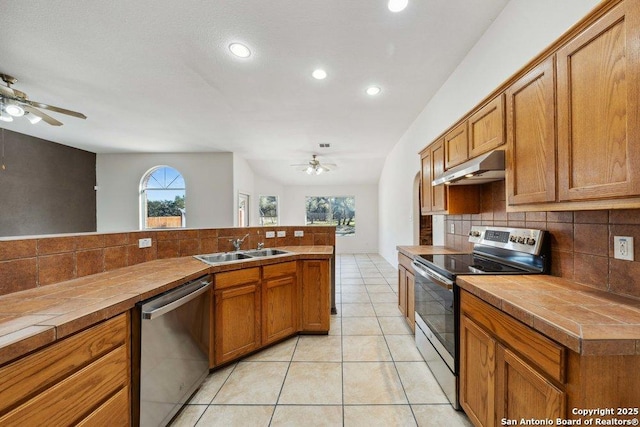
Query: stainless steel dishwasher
[{"x": 171, "y": 343}]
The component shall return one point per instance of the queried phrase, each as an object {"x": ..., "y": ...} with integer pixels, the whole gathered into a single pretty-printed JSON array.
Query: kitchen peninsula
[{"x": 69, "y": 339}]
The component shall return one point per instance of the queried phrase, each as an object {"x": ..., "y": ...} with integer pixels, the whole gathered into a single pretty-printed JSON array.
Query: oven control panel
[{"x": 515, "y": 239}]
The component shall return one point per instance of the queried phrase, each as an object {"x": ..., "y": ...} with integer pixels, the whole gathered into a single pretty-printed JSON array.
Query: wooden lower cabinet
[
  {"x": 237, "y": 324},
  {"x": 406, "y": 290},
  {"x": 477, "y": 373},
  {"x": 258, "y": 306},
  {"x": 81, "y": 380},
  {"x": 521, "y": 390},
  {"x": 499, "y": 382},
  {"x": 279, "y": 301},
  {"x": 316, "y": 296},
  {"x": 509, "y": 371}
]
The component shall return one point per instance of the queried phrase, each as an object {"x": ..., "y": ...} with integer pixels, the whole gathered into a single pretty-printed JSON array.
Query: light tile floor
[{"x": 366, "y": 372}]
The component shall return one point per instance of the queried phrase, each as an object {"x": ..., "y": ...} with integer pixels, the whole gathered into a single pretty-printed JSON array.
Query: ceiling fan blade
[
  {"x": 46, "y": 118},
  {"x": 56, "y": 109}
]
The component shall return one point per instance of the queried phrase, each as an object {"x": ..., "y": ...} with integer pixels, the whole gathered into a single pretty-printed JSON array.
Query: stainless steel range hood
[{"x": 485, "y": 168}]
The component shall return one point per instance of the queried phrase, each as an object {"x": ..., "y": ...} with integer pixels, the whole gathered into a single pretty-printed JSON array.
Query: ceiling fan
[
  {"x": 314, "y": 167},
  {"x": 14, "y": 103}
]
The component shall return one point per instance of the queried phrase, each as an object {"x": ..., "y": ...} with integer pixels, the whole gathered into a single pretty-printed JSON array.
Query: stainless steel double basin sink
[{"x": 229, "y": 257}]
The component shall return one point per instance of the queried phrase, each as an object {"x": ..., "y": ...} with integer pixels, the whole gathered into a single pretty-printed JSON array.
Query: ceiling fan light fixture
[
  {"x": 14, "y": 110},
  {"x": 240, "y": 50},
  {"x": 5, "y": 117},
  {"x": 310, "y": 170},
  {"x": 33, "y": 118}
]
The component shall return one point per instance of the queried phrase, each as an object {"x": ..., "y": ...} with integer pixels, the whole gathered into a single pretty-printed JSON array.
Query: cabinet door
[
  {"x": 522, "y": 392},
  {"x": 531, "y": 166},
  {"x": 316, "y": 296},
  {"x": 438, "y": 193},
  {"x": 237, "y": 321},
  {"x": 486, "y": 128},
  {"x": 598, "y": 111},
  {"x": 279, "y": 307},
  {"x": 456, "y": 146},
  {"x": 402, "y": 289},
  {"x": 425, "y": 182},
  {"x": 411, "y": 300},
  {"x": 477, "y": 373}
]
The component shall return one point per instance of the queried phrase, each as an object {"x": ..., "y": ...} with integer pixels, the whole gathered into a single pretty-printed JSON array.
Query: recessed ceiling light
[
  {"x": 373, "y": 90},
  {"x": 319, "y": 74},
  {"x": 239, "y": 50},
  {"x": 397, "y": 5}
]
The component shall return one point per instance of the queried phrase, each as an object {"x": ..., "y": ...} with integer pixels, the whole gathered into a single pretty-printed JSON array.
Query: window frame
[{"x": 143, "y": 197}]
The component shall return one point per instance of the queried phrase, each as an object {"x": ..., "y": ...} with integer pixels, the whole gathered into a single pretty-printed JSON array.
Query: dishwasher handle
[{"x": 175, "y": 299}]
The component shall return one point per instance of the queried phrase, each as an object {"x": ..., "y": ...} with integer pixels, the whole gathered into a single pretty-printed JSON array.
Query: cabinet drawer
[
  {"x": 237, "y": 277},
  {"x": 283, "y": 269},
  {"x": 71, "y": 399},
  {"x": 533, "y": 346},
  {"x": 405, "y": 261},
  {"x": 38, "y": 371},
  {"x": 114, "y": 411}
]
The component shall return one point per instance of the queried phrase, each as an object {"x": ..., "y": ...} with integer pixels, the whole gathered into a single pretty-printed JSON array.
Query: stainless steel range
[{"x": 497, "y": 250}]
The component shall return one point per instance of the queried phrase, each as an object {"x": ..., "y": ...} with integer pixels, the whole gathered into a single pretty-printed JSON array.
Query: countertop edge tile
[
  {"x": 25, "y": 340},
  {"x": 412, "y": 251}
]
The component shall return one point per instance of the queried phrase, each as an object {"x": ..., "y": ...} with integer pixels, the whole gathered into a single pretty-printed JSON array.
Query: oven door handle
[{"x": 430, "y": 274}]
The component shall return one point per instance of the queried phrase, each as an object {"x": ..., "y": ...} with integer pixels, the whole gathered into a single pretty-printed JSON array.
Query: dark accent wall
[{"x": 45, "y": 187}]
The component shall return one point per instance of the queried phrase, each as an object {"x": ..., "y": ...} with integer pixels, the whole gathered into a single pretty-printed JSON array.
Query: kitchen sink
[
  {"x": 229, "y": 257},
  {"x": 266, "y": 252},
  {"x": 223, "y": 257}
]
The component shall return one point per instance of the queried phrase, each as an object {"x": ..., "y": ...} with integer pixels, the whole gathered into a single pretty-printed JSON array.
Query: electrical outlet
[
  {"x": 144, "y": 243},
  {"x": 270, "y": 234},
  {"x": 282, "y": 233},
  {"x": 623, "y": 247},
  {"x": 452, "y": 228},
  {"x": 298, "y": 233}
]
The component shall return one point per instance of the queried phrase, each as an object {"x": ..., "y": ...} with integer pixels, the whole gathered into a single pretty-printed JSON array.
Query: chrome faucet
[
  {"x": 260, "y": 245},
  {"x": 238, "y": 242}
]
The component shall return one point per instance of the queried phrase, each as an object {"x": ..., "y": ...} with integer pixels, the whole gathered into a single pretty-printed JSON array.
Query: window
[
  {"x": 268, "y": 210},
  {"x": 331, "y": 210},
  {"x": 162, "y": 199},
  {"x": 243, "y": 210}
]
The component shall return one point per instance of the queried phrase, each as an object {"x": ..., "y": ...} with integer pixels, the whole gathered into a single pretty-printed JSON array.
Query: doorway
[{"x": 243, "y": 210}]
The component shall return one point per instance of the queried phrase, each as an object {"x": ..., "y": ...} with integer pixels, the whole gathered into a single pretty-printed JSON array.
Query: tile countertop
[
  {"x": 36, "y": 317},
  {"x": 586, "y": 320},
  {"x": 411, "y": 251}
]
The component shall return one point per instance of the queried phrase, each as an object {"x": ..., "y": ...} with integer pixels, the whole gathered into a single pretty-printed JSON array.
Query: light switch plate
[
  {"x": 270, "y": 234},
  {"x": 623, "y": 247},
  {"x": 144, "y": 243},
  {"x": 298, "y": 233},
  {"x": 282, "y": 233}
]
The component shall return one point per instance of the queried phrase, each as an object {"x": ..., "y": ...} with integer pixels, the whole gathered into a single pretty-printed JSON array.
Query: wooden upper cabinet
[
  {"x": 531, "y": 133},
  {"x": 425, "y": 181},
  {"x": 486, "y": 127},
  {"x": 456, "y": 146},
  {"x": 598, "y": 111},
  {"x": 438, "y": 193}
]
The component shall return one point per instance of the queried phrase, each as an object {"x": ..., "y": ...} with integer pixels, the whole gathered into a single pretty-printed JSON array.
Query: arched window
[{"x": 162, "y": 198}]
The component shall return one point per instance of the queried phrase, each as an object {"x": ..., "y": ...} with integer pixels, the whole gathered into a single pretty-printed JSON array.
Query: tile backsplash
[
  {"x": 581, "y": 241},
  {"x": 27, "y": 263}
]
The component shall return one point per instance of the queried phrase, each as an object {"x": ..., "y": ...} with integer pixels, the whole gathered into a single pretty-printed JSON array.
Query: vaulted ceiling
[{"x": 157, "y": 75}]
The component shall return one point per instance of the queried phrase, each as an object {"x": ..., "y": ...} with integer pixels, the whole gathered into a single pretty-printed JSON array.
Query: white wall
[
  {"x": 520, "y": 32},
  {"x": 366, "y": 238},
  {"x": 208, "y": 177}
]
